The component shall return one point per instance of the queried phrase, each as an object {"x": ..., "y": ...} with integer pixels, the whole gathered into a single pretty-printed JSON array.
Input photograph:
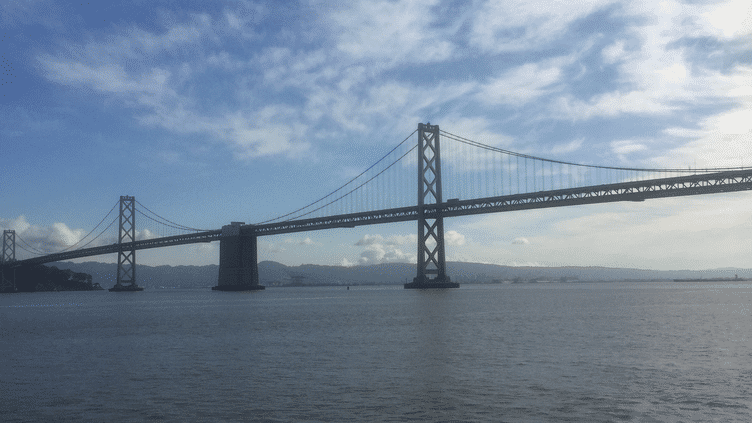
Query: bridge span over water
[{"x": 569, "y": 184}]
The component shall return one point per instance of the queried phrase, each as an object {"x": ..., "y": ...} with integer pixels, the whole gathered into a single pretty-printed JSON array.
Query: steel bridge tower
[
  {"x": 126, "y": 270},
  {"x": 431, "y": 258},
  {"x": 8, "y": 276}
]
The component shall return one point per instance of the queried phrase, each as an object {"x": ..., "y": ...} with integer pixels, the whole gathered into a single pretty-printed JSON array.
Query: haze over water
[{"x": 657, "y": 352}]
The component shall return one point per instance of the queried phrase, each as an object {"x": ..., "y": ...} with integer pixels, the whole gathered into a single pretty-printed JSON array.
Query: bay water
[{"x": 577, "y": 352}]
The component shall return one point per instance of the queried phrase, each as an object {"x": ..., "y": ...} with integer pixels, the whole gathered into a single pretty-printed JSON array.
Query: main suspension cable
[
  {"x": 41, "y": 252},
  {"x": 526, "y": 156},
  {"x": 90, "y": 232},
  {"x": 177, "y": 225},
  {"x": 37, "y": 251},
  {"x": 102, "y": 232},
  {"x": 180, "y": 227},
  {"x": 30, "y": 252},
  {"x": 340, "y": 188},
  {"x": 356, "y": 188}
]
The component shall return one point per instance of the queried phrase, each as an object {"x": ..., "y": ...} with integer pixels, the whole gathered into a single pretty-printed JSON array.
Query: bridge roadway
[{"x": 708, "y": 183}]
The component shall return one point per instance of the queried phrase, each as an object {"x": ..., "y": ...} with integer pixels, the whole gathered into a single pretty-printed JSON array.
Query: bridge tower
[
  {"x": 238, "y": 259},
  {"x": 126, "y": 270},
  {"x": 8, "y": 276},
  {"x": 431, "y": 259}
]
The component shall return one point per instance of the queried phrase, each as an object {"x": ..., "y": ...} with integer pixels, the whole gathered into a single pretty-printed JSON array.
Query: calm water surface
[{"x": 648, "y": 352}]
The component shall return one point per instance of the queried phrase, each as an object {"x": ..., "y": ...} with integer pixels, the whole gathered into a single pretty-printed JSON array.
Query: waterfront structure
[{"x": 238, "y": 241}]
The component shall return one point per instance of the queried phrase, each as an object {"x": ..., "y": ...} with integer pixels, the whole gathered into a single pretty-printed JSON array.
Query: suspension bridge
[{"x": 465, "y": 178}]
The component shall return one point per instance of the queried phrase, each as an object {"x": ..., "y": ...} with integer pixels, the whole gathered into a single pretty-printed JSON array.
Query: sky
[{"x": 212, "y": 112}]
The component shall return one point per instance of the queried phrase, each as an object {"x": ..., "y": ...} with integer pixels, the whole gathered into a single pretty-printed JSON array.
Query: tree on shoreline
[{"x": 42, "y": 278}]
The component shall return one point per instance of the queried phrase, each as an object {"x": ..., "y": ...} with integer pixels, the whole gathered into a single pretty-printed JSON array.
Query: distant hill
[{"x": 274, "y": 274}]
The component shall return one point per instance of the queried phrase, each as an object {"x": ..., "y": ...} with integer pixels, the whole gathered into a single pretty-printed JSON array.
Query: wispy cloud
[
  {"x": 520, "y": 241},
  {"x": 657, "y": 75},
  {"x": 301, "y": 241},
  {"x": 524, "y": 25},
  {"x": 569, "y": 147},
  {"x": 390, "y": 33},
  {"x": 625, "y": 147},
  {"x": 520, "y": 85}
]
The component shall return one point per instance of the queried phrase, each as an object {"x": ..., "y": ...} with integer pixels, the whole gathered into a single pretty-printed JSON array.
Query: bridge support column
[
  {"x": 431, "y": 259},
  {"x": 238, "y": 262},
  {"x": 126, "y": 270},
  {"x": 8, "y": 274}
]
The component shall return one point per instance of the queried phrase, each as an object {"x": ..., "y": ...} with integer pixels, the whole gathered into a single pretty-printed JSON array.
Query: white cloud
[
  {"x": 398, "y": 248},
  {"x": 209, "y": 248},
  {"x": 520, "y": 85},
  {"x": 138, "y": 41},
  {"x": 569, "y": 147},
  {"x": 477, "y": 129},
  {"x": 390, "y": 32},
  {"x": 347, "y": 263},
  {"x": 223, "y": 60},
  {"x": 269, "y": 131},
  {"x": 265, "y": 131},
  {"x": 723, "y": 139},
  {"x": 729, "y": 19},
  {"x": 520, "y": 241},
  {"x": 18, "y": 224},
  {"x": 504, "y": 25},
  {"x": 624, "y": 147},
  {"x": 145, "y": 234},
  {"x": 370, "y": 240},
  {"x": 385, "y": 250},
  {"x": 352, "y": 107},
  {"x": 682, "y": 132},
  {"x": 274, "y": 248},
  {"x": 50, "y": 239},
  {"x": 109, "y": 78},
  {"x": 614, "y": 53},
  {"x": 299, "y": 241},
  {"x": 613, "y": 104},
  {"x": 453, "y": 239},
  {"x": 656, "y": 74},
  {"x": 392, "y": 240},
  {"x": 232, "y": 20},
  {"x": 457, "y": 156},
  {"x": 377, "y": 253}
]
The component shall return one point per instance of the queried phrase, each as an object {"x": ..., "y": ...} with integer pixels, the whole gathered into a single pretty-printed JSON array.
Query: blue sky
[{"x": 211, "y": 112}]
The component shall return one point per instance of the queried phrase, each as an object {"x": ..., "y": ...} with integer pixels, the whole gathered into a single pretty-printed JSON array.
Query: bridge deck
[
  {"x": 719, "y": 182},
  {"x": 730, "y": 181}
]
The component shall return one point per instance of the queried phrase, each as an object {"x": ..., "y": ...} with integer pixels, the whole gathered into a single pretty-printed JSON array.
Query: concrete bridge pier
[{"x": 238, "y": 264}]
